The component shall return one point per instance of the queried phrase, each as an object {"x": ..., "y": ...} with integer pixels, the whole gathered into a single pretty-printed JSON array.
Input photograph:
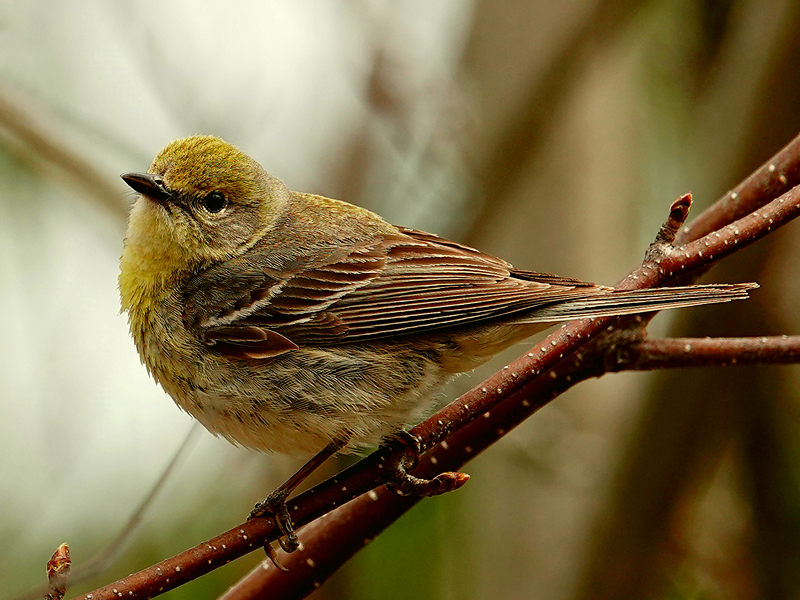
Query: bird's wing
[{"x": 392, "y": 285}]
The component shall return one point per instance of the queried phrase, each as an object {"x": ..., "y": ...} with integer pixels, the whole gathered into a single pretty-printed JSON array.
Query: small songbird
[{"x": 286, "y": 322}]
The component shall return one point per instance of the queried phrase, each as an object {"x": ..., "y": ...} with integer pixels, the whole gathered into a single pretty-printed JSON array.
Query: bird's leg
[
  {"x": 405, "y": 484},
  {"x": 275, "y": 503}
]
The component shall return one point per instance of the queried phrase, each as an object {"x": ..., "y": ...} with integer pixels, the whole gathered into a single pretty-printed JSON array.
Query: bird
[{"x": 294, "y": 323}]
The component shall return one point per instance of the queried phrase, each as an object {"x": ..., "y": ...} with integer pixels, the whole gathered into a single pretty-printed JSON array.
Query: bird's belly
[
  {"x": 247, "y": 424},
  {"x": 299, "y": 402}
]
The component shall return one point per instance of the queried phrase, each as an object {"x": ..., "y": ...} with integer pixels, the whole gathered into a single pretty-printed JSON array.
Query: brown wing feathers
[{"x": 396, "y": 285}]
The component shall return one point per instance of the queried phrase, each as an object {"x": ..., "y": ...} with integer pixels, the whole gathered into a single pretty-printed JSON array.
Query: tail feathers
[{"x": 639, "y": 301}]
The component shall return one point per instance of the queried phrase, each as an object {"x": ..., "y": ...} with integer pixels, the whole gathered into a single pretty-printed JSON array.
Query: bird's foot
[
  {"x": 403, "y": 483},
  {"x": 275, "y": 504}
]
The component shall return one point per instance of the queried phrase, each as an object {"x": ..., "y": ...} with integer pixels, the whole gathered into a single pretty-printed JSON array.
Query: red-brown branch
[{"x": 647, "y": 355}]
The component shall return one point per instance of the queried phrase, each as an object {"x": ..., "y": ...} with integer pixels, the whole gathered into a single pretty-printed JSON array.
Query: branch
[
  {"x": 647, "y": 355},
  {"x": 454, "y": 434}
]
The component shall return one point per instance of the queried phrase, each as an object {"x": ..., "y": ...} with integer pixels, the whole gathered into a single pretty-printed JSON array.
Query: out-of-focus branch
[
  {"x": 30, "y": 130},
  {"x": 523, "y": 136}
]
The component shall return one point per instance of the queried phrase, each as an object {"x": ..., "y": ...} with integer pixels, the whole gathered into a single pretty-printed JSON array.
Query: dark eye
[{"x": 215, "y": 202}]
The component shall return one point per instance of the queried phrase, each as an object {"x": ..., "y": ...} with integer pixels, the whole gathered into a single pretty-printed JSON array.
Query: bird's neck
[
  {"x": 143, "y": 282},
  {"x": 152, "y": 262}
]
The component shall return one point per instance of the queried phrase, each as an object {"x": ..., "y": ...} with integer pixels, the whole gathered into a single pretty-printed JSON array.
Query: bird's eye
[{"x": 215, "y": 202}]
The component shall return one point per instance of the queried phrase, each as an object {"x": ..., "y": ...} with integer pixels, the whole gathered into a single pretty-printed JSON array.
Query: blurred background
[{"x": 552, "y": 134}]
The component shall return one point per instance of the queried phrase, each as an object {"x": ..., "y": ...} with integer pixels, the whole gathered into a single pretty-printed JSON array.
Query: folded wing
[{"x": 393, "y": 285}]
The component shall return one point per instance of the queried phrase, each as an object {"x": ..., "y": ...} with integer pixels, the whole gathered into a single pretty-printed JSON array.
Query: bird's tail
[{"x": 639, "y": 301}]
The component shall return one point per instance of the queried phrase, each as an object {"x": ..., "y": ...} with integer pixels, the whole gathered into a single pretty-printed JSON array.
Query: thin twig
[
  {"x": 526, "y": 133},
  {"x": 330, "y": 540},
  {"x": 105, "y": 558}
]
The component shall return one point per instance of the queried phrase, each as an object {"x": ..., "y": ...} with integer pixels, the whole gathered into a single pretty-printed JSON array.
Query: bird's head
[{"x": 202, "y": 200}]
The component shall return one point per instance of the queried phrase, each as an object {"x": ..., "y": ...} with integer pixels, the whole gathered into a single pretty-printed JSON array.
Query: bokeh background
[{"x": 552, "y": 134}]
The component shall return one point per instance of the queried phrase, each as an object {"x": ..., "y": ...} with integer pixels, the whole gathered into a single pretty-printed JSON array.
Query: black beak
[{"x": 148, "y": 185}]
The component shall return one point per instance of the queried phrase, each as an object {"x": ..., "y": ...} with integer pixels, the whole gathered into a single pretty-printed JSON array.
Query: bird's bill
[{"x": 148, "y": 185}]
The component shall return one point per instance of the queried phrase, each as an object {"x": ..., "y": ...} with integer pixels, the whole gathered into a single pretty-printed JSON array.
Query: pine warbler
[{"x": 286, "y": 322}]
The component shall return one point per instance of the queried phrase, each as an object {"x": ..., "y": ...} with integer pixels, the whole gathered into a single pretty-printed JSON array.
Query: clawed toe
[
  {"x": 405, "y": 484},
  {"x": 275, "y": 504}
]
